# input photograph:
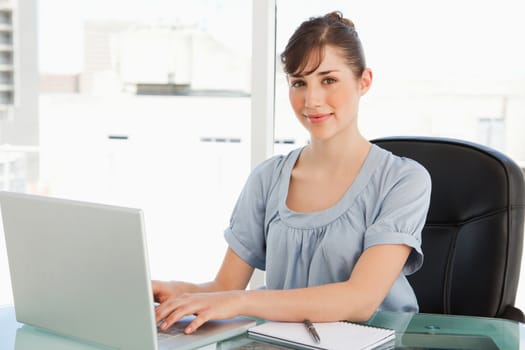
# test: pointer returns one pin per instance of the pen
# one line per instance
(311, 329)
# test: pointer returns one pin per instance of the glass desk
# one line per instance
(413, 331)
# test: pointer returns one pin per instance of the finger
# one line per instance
(197, 322)
(174, 309)
(172, 318)
(163, 310)
(158, 311)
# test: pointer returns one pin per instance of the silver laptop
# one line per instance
(81, 270)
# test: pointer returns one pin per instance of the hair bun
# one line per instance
(338, 16)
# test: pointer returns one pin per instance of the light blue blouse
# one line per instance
(386, 204)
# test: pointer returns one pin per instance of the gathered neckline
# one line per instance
(323, 217)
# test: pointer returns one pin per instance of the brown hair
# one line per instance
(309, 40)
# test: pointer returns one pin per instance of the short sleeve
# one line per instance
(245, 235)
(402, 212)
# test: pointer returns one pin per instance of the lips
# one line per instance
(318, 118)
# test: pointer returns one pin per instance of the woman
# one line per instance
(335, 224)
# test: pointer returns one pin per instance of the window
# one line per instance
(124, 119)
(146, 107)
(438, 68)
(491, 132)
(442, 68)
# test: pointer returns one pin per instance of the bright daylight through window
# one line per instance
(148, 103)
(147, 107)
(443, 68)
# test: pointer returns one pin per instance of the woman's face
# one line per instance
(327, 100)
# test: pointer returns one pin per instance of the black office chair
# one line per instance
(473, 236)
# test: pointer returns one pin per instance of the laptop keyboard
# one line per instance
(174, 331)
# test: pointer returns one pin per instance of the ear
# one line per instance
(365, 81)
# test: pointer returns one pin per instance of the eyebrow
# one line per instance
(328, 72)
(319, 73)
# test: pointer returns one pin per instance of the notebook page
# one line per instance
(334, 335)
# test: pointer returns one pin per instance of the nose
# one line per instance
(313, 96)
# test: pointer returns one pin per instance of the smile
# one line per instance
(318, 118)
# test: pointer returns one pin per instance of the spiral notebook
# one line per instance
(334, 335)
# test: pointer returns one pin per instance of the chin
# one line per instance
(321, 136)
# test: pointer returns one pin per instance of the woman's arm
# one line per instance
(234, 274)
(355, 299)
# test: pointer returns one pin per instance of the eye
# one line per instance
(297, 83)
(329, 80)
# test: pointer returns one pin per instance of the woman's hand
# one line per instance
(218, 299)
(205, 306)
(163, 290)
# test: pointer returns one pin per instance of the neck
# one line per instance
(339, 151)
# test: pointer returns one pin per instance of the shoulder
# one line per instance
(275, 163)
(269, 171)
(395, 169)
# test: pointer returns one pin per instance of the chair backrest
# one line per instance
(473, 236)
